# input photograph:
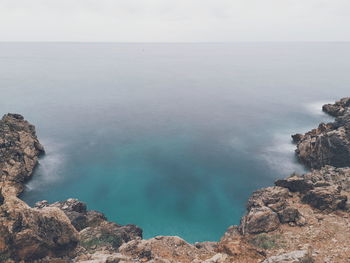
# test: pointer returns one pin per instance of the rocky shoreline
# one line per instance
(303, 218)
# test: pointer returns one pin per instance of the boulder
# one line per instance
(325, 198)
(268, 196)
(259, 220)
(289, 215)
(295, 183)
(34, 234)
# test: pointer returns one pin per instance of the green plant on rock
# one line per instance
(266, 241)
(4, 257)
(103, 240)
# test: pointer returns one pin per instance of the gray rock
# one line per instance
(295, 183)
(325, 198)
(298, 256)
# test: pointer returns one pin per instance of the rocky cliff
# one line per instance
(303, 218)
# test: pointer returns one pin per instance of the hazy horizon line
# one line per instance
(175, 42)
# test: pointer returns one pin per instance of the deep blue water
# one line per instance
(172, 137)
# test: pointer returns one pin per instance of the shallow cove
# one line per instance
(172, 137)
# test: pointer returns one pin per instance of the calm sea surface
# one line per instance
(171, 137)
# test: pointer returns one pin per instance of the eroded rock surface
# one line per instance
(298, 256)
(27, 233)
(329, 144)
(19, 153)
(267, 209)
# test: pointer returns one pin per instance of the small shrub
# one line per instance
(114, 241)
(4, 257)
(265, 241)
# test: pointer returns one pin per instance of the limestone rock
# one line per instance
(298, 256)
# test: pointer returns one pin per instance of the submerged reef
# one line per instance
(303, 218)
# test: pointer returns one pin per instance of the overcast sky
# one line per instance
(174, 20)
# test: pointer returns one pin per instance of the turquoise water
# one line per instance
(171, 137)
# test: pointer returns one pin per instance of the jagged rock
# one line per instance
(329, 144)
(322, 188)
(337, 109)
(164, 249)
(297, 137)
(19, 151)
(258, 220)
(295, 183)
(267, 208)
(325, 198)
(268, 196)
(289, 215)
(35, 233)
(330, 175)
(77, 212)
(237, 248)
(95, 230)
(298, 256)
(27, 233)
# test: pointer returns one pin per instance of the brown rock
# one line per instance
(259, 220)
(325, 198)
(329, 144)
(164, 249)
(295, 183)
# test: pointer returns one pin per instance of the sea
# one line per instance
(172, 137)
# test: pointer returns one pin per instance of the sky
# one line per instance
(174, 20)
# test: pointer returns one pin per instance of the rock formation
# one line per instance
(329, 144)
(28, 234)
(303, 218)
